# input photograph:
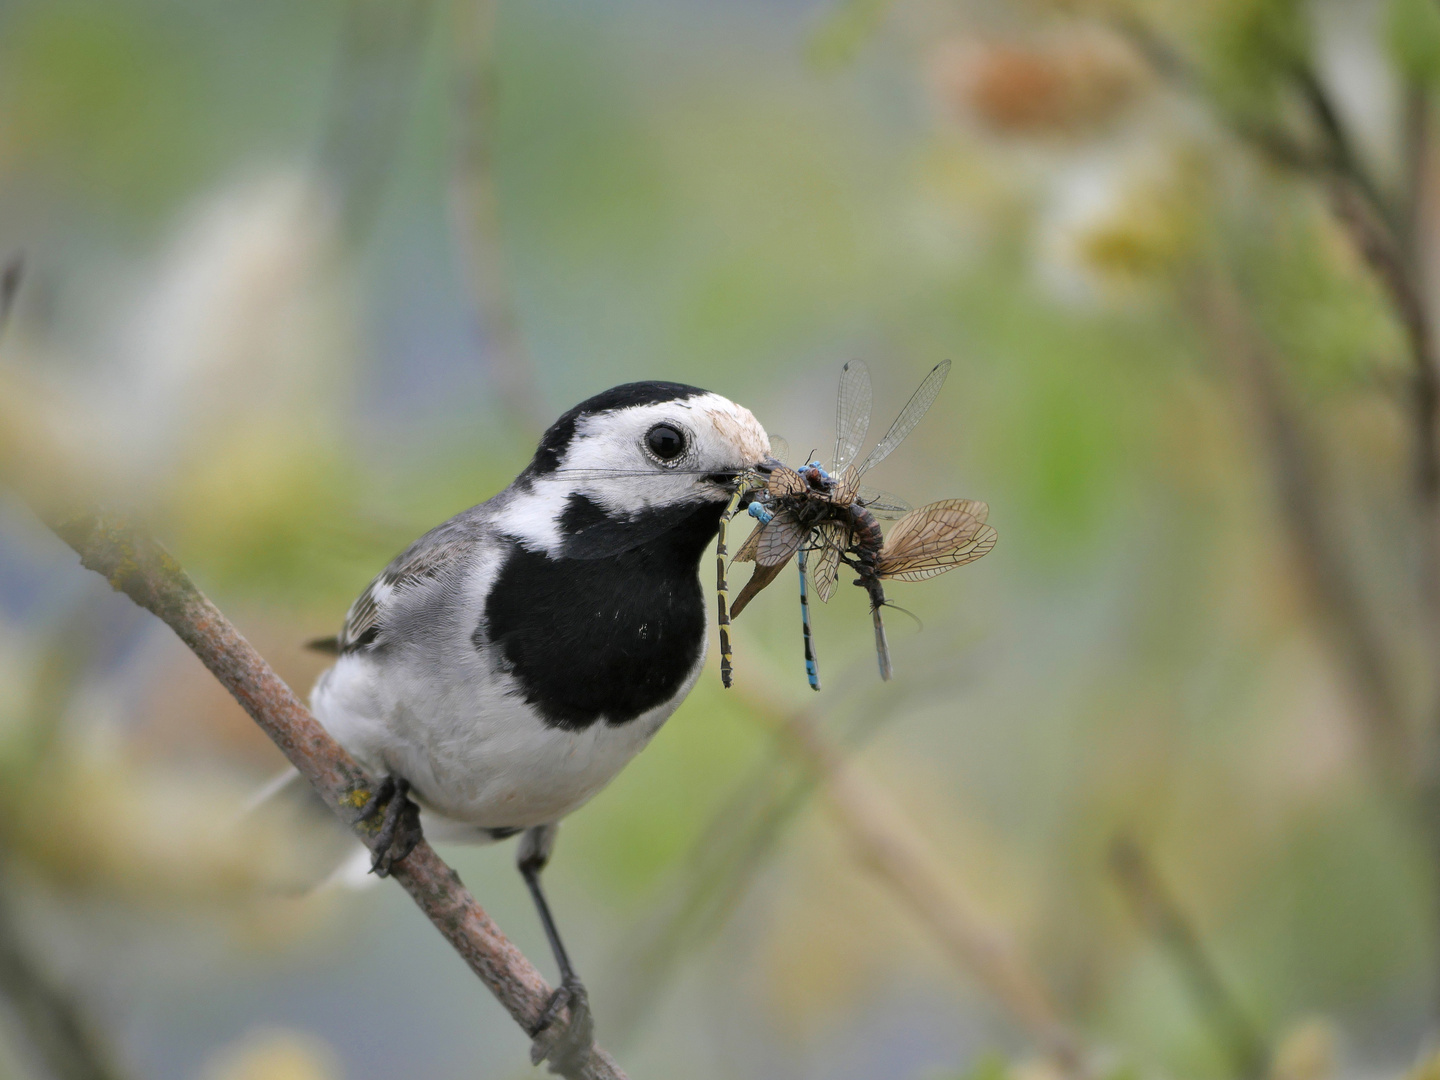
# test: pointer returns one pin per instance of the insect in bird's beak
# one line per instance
(812, 511)
(733, 481)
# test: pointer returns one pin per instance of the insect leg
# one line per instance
(812, 667)
(722, 583)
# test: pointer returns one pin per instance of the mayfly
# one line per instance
(828, 514)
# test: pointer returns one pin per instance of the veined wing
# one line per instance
(852, 414)
(847, 487)
(780, 538)
(910, 415)
(785, 481)
(833, 538)
(936, 538)
(881, 503)
(762, 576)
(747, 550)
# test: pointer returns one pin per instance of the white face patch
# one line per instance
(736, 426)
(607, 462)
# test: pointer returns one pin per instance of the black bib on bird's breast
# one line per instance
(612, 636)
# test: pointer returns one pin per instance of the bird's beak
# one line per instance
(731, 480)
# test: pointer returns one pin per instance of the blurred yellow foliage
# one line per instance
(275, 1055)
(1153, 226)
(1307, 1052)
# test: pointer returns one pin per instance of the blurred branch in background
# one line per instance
(1157, 911)
(51, 1018)
(1386, 230)
(744, 833)
(1319, 550)
(10, 275)
(475, 211)
(381, 45)
(740, 838)
(891, 847)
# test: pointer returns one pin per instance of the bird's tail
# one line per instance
(333, 856)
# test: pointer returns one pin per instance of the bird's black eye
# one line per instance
(665, 442)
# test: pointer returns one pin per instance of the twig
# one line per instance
(10, 274)
(1362, 210)
(1341, 155)
(1415, 154)
(1155, 909)
(1390, 239)
(722, 863)
(891, 846)
(475, 207)
(1328, 573)
(373, 86)
(54, 1024)
(139, 567)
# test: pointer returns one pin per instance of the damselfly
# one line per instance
(830, 515)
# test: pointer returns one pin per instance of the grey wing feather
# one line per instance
(423, 562)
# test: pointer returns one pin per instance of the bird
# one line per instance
(505, 666)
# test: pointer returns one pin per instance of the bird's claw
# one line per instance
(564, 1046)
(399, 829)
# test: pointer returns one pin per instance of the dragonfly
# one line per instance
(829, 514)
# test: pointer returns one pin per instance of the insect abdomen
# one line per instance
(866, 539)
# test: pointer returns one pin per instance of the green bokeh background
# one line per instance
(251, 298)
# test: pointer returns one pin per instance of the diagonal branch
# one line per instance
(1388, 238)
(1328, 573)
(58, 1030)
(1158, 911)
(475, 211)
(139, 567)
(890, 845)
(1380, 233)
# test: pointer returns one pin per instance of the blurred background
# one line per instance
(1156, 789)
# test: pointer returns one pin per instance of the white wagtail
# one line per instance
(507, 665)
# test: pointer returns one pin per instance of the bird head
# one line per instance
(655, 451)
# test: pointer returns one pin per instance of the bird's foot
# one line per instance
(564, 1045)
(399, 829)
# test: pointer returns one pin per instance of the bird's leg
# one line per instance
(399, 829)
(564, 1046)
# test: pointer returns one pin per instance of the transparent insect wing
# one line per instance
(936, 538)
(910, 415)
(882, 503)
(852, 414)
(833, 539)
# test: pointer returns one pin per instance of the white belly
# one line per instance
(473, 755)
